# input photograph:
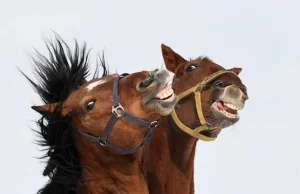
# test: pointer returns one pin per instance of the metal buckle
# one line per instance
(114, 110)
(153, 125)
(101, 142)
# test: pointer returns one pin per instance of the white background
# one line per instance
(258, 155)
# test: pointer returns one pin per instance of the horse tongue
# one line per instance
(221, 106)
(161, 92)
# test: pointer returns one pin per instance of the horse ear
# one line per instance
(236, 70)
(171, 58)
(49, 109)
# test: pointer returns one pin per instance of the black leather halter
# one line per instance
(117, 112)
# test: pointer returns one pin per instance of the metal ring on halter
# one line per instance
(101, 142)
(153, 124)
(119, 107)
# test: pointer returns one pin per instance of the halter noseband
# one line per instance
(117, 112)
(197, 91)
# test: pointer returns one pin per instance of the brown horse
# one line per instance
(209, 99)
(93, 130)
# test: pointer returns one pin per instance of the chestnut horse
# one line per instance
(93, 130)
(209, 98)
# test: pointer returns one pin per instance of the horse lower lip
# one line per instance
(159, 100)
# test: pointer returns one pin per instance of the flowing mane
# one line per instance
(58, 76)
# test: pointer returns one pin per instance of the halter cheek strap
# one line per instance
(196, 90)
(117, 112)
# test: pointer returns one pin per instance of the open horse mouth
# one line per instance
(160, 96)
(226, 109)
(164, 96)
(225, 113)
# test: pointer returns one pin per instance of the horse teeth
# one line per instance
(168, 92)
(229, 114)
(229, 105)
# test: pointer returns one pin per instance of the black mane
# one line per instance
(58, 77)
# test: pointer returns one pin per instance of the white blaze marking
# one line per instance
(94, 84)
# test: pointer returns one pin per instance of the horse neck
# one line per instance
(181, 147)
(105, 172)
(169, 158)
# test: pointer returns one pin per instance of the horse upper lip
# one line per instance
(153, 94)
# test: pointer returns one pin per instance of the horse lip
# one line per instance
(161, 78)
(219, 115)
(152, 94)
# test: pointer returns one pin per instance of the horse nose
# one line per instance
(161, 74)
(155, 71)
(243, 92)
(152, 73)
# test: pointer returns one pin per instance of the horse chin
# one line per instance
(212, 132)
(217, 125)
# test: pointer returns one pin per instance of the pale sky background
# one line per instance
(258, 155)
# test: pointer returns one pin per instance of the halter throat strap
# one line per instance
(117, 112)
(196, 90)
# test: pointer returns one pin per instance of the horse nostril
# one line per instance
(147, 82)
(245, 97)
(153, 73)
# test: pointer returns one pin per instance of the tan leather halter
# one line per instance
(197, 91)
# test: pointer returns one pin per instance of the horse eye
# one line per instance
(220, 83)
(90, 105)
(191, 68)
